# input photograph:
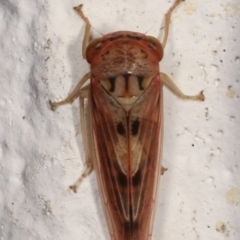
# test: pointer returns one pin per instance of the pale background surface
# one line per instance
(41, 152)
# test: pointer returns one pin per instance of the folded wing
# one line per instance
(127, 158)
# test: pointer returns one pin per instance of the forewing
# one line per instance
(110, 143)
(126, 159)
(146, 120)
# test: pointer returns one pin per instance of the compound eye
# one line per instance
(155, 45)
(152, 45)
(98, 45)
(94, 46)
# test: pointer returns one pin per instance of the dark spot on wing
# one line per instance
(120, 128)
(136, 179)
(134, 226)
(131, 227)
(135, 127)
(122, 179)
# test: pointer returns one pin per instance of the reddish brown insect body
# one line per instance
(126, 122)
(122, 130)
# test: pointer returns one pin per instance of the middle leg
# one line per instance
(174, 88)
(84, 93)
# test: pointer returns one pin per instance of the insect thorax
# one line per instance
(124, 63)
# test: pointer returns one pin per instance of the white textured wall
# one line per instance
(41, 152)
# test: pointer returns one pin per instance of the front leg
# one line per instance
(72, 96)
(87, 32)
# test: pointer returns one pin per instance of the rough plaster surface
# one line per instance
(41, 152)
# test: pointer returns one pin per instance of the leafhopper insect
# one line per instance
(122, 124)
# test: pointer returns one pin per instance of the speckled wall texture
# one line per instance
(41, 152)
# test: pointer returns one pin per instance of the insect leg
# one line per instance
(167, 21)
(74, 94)
(83, 120)
(163, 170)
(82, 93)
(87, 33)
(173, 87)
